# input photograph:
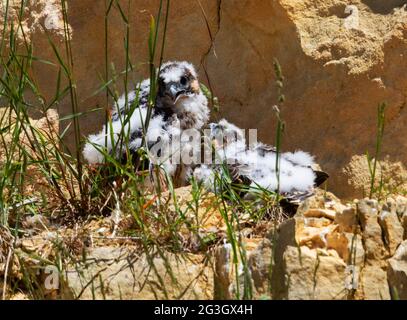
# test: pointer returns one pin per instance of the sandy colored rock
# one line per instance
(392, 228)
(347, 219)
(120, 273)
(255, 279)
(223, 272)
(348, 245)
(350, 70)
(260, 261)
(311, 232)
(325, 201)
(401, 208)
(368, 212)
(401, 205)
(397, 273)
(374, 283)
(393, 173)
(313, 274)
(310, 263)
(47, 127)
(357, 252)
(314, 237)
(37, 15)
(320, 213)
(298, 280)
(317, 222)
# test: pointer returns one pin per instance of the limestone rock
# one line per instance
(374, 283)
(368, 212)
(325, 201)
(393, 173)
(223, 272)
(401, 205)
(393, 230)
(397, 273)
(311, 274)
(35, 16)
(260, 262)
(349, 247)
(364, 60)
(256, 279)
(347, 219)
(320, 213)
(120, 273)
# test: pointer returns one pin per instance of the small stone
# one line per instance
(347, 219)
(317, 222)
(259, 259)
(374, 283)
(367, 211)
(393, 230)
(401, 206)
(319, 213)
(315, 237)
(349, 247)
(312, 274)
(102, 231)
(397, 273)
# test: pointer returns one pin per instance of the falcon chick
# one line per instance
(179, 105)
(256, 166)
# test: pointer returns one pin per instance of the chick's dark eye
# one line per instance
(183, 80)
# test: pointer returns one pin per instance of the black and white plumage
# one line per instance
(255, 166)
(179, 105)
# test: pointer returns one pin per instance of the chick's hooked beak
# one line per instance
(175, 92)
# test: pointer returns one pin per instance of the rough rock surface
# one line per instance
(119, 273)
(393, 230)
(371, 231)
(374, 283)
(339, 62)
(256, 278)
(336, 74)
(314, 255)
(313, 274)
(397, 273)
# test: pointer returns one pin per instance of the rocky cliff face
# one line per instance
(339, 58)
(327, 251)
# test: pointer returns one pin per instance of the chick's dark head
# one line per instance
(176, 81)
